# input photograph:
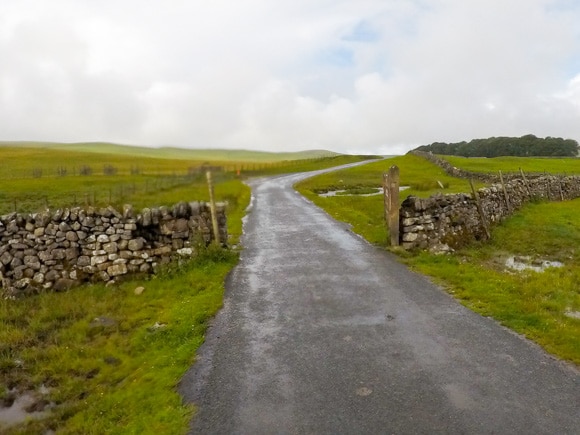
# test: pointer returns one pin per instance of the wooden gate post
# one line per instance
(393, 197)
(214, 220)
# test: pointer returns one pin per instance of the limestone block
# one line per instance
(38, 278)
(110, 248)
(64, 227)
(32, 261)
(51, 275)
(83, 260)
(6, 258)
(410, 237)
(99, 259)
(117, 269)
(136, 244)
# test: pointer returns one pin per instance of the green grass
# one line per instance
(30, 180)
(530, 303)
(556, 165)
(119, 378)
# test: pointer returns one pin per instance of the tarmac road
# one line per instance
(322, 333)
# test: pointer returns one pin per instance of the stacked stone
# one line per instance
(56, 250)
(444, 222)
(437, 222)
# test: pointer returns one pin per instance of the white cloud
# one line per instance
(365, 75)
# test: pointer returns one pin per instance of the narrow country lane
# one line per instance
(322, 333)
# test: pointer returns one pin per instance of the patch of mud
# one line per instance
(522, 263)
(379, 191)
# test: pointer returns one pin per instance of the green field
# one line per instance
(172, 153)
(555, 165)
(540, 306)
(57, 176)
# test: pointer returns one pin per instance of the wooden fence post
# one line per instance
(480, 210)
(526, 183)
(386, 196)
(507, 198)
(214, 220)
(391, 200)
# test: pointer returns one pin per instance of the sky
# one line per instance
(352, 76)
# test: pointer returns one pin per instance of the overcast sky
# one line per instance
(375, 76)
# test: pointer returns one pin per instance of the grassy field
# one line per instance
(172, 153)
(540, 306)
(555, 165)
(105, 359)
(32, 179)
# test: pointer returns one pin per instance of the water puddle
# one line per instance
(520, 264)
(25, 407)
(343, 192)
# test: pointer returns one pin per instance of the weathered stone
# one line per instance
(58, 254)
(110, 248)
(83, 260)
(100, 259)
(410, 237)
(146, 219)
(6, 258)
(103, 238)
(72, 236)
(51, 275)
(136, 244)
(32, 261)
(71, 253)
(64, 284)
(117, 269)
(64, 227)
(127, 211)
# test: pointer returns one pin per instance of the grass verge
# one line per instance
(107, 360)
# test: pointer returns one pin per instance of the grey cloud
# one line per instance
(346, 75)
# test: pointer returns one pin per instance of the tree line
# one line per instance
(525, 146)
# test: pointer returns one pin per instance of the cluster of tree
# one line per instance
(525, 146)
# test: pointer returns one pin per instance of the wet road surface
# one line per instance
(322, 333)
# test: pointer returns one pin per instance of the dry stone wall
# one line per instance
(56, 250)
(462, 173)
(444, 222)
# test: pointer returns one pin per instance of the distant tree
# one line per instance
(109, 170)
(528, 145)
(85, 170)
